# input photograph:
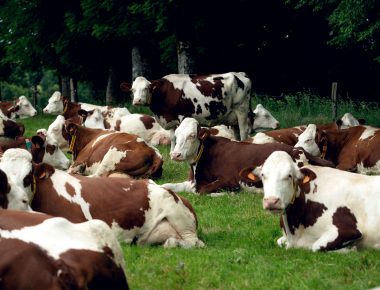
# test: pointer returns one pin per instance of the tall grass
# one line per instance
(240, 237)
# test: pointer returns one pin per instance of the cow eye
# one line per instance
(24, 201)
(290, 176)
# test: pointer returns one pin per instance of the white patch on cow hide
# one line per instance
(369, 132)
(101, 137)
(59, 180)
(108, 163)
(262, 138)
(369, 170)
(58, 235)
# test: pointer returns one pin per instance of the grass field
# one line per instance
(240, 237)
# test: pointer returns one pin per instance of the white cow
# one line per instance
(263, 119)
(322, 208)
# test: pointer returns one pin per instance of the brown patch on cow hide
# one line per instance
(148, 121)
(117, 125)
(15, 220)
(70, 189)
(208, 88)
(50, 149)
(95, 270)
(190, 207)
(13, 129)
(176, 199)
(301, 213)
(4, 190)
(214, 131)
(348, 232)
(199, 110)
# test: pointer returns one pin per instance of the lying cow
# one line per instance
(353, 149)
(322, 208)
(38, 251)
(142, 125)
(139, 211)
(263, 119)
(21, 107)
(61, 105)
(215, 162)
(290, 135)
(211, 99)
(100, 152)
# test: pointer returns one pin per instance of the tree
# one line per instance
(352, 22)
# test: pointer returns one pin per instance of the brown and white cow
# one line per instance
(215, 162)
(353, 149)
(290, 135)
(142, 125)
(38, 251)
(321, 208)
(20, 107)
(137, 210)
(211, 99)
(101, 152)
(62, 105)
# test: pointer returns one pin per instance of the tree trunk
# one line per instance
(35, 95)
(139, 63)
(185, 60)
(65, 83)
(74, 90)
(110, 92)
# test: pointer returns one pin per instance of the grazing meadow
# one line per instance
(240, 237)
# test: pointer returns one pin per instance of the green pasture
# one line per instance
(240, 237)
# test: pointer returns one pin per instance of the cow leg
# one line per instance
(160, 234)
(243, 124)
(186, 186)
(334, 240)
(172, 139)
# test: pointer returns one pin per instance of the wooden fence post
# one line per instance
(334, 88)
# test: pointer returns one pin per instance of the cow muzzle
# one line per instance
(176, 156)
(272, 204)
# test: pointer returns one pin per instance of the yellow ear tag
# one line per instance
(251, 176)
(43, 175)
(306, 179)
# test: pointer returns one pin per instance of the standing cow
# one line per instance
(211, 99)
(321, 208)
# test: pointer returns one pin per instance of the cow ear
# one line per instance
(71, 128)
(249, 174)
(203, 133)
(42, 170)
(125, 87)
(361, 121)
(4, 185)
(38, 141)
(154, 85)
(307, 175)
(82, 113)
(339, 123)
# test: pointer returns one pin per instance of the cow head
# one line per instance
(12, 196)
(161, 138)
(281, 179)
(56, 133)
(142, 91)
(187, 139)
(50, 153)
(25, 108)
(17, 163)
(306, 140)
(92, 119)
(348, 120)
(55, 104)
(264, 119)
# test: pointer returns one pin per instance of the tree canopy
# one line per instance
(280, 47)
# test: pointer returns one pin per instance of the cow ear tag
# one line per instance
(251, 176)
(306, 179)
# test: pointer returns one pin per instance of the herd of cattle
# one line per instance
(313, 175)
